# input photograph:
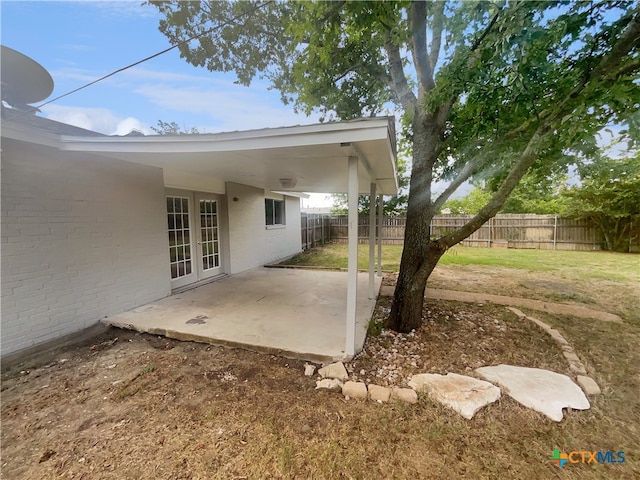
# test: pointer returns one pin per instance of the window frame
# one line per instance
(277, 211)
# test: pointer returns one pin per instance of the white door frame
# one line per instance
(187, 255)
(208, 235)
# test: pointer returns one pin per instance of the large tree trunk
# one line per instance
(406, 311)
(419, 255)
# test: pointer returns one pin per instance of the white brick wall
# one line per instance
(251, 244)
(82, 238)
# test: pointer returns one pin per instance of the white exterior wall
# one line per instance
(251, 243)
(82, 238)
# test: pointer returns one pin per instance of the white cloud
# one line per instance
(122, 8)
(128, 124)
(100, 120)
(231, 107)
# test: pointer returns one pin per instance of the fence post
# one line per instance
(490, 230)
(380, 231)
(555, 230)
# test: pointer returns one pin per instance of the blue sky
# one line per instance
(78, 42)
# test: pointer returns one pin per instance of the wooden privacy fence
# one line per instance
(502, 231)
(316, 229)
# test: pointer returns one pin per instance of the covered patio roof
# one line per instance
(307, 158)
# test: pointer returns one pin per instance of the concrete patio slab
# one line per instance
(294, 313)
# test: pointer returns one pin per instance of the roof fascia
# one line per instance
(329, 133)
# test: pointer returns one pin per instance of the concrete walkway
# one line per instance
(293, 313)
(555, 308)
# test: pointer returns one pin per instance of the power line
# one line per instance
(146, 59)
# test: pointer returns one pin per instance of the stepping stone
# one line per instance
(334, 370)
(466, 395)
(543, 391)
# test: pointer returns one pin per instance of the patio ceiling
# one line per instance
(313, 157)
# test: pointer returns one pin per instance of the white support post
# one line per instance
(380, 221)
(372, 241)
(352, 282)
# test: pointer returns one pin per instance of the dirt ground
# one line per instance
(137, 406)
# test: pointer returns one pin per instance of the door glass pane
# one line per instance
(179, 236)
(209, 234)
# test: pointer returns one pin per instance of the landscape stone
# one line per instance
(571, 356)
(404, 395)
(376, 392)
(309, 370)
(577, 368)
(518, 313)
(557, 336)
(544, 391)
(354, 390)
(334, 370)
(540, 323)
(331, 384)
(589, 385)
(466, 395)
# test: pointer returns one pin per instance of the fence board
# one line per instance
(316, 229)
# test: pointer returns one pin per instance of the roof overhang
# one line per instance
(308, 158)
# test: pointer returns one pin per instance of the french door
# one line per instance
(193, 221)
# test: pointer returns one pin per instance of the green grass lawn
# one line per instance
(606, 265)
(605, 280)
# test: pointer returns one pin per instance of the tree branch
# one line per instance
(436, 34)
(527, 158)
(417, 20)
(466, 172)
(443, 110)
(398, 77)
(610, 62)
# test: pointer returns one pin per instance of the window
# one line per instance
(274, 211)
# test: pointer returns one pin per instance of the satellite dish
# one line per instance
(24, 80)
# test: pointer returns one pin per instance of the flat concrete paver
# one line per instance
(296, 313)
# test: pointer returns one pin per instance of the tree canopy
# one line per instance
(490, 89)
(609, 196)
(172, 128)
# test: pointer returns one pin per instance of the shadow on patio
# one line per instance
(294, 313)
